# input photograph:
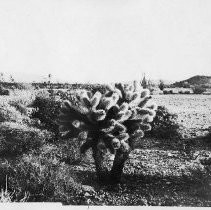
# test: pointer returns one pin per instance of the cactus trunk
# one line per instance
(106, 174)
(102, 167)
(117, 168)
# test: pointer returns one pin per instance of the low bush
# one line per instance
(24, 98)
(3, 91)
(70, 95)
(208, 136)
(47, 110)
(18, 138)
(16, 85)
(168, 92)
(165, 125)
(68, 150)
(23, 86)
(184, 92)
(16, 108)
(198, 90)
(9, 113)
(42, 93)
(42, 176)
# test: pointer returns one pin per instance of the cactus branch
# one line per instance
(109, 122)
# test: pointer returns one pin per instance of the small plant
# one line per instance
(47, 111)
(165, 124)
(23, 86)
(22, 97)
(208, 136)
(4, 91)
(10, 113)
(109, 122)
(161, 85)
(17, 138)
(41, 175)
(198, 90)
(8, 197)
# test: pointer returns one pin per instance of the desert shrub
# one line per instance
(18, 138)
(198, 170)
(8, 197)
(165, 124)
(184, 92)
(24, 98)
(16, 85)
(167, 92)
(23, 86)
(19, 107)
(4, 91)
(161, 85)
(198, 90)
(24, 110)
(97, 87)
(43, 93)
(42, 176)
(89, 87)
(47, 110)
(208, 136)
(70, 95)
(13, 111)
(9, 113)
(69, 151)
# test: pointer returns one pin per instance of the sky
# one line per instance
(105, 40)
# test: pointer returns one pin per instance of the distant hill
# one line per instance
(203, 81)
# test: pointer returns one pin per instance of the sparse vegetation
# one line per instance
(161, 85)
(47, 111)
(165, 124)
(3, 91)
(37, 164)
(17, 139)
(198, 90)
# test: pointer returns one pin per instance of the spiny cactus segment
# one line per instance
(111, 121)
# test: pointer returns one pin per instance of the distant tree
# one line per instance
(161, 85)
(186, 85)
(2, 77)
(12, 79)
(198, 90)
(49, 78)
(45, 84)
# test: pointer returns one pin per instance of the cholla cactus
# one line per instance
(112, 122)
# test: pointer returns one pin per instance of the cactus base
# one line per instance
(108, 174)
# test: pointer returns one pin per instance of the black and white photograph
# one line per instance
(105, 103)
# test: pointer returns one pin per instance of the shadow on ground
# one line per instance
(146, 184)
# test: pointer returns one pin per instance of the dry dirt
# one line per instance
(163, 177)
(194, 112)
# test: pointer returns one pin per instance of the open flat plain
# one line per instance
(194, 112)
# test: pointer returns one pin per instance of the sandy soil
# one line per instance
(194, 111)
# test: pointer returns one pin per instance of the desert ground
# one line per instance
(156, 174)
(194, 111)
